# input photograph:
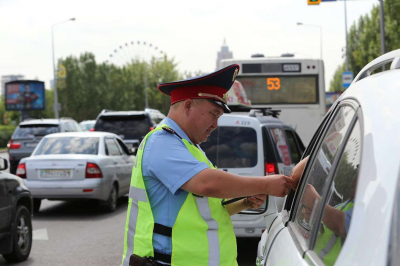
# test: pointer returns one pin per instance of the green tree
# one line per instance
(364, 39)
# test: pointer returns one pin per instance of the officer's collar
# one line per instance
(172, 124)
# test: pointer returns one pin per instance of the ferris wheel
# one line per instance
(131, 51)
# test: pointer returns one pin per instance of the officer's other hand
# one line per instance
(256, 201)
(279, 185)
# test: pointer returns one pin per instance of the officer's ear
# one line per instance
(188, 106)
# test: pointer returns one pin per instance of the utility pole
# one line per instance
(382, 13)
(345, 25)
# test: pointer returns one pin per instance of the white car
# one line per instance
(78, 165)
(345, 210)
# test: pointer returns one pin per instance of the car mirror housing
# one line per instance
(3, 164)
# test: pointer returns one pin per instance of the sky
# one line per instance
(192, 32)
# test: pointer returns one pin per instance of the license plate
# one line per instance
(59, 173)
(31, 145)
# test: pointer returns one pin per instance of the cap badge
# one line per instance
(235, 74)
(212, 96)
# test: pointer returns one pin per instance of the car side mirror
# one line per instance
(3, 164)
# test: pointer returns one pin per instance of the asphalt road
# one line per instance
(81, 233)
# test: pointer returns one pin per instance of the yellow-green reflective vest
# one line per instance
(328, 244)
(202, 234)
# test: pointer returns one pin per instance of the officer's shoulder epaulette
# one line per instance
(169, 130)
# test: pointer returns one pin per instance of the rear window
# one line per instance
(128, 127)
(29, 131)
(281, 145)
(232, 147)
(68, 145)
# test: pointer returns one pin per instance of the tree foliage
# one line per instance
(91, 87)
(364, 40)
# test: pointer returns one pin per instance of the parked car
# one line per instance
(87, 125)
(78, 165)
(16, 205)
(131, 126)
(345, 210)
(253, 143)
(28, 134)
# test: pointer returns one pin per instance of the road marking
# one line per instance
(40, 234)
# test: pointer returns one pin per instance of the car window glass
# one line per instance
(394, 239)
(29, 131)
(320, 168)
(122, 148)
(232, 147)
(112, 147)
(281, 145)
(340, 197)
(294, 150)
(68, 145)
(127, 127)
(76, 126)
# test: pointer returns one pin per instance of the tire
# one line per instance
(36, 205)
(111, 203)
(22, 236)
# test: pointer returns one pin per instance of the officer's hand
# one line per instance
(256, 201)
(278, 185)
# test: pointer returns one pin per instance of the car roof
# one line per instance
(122, 113)
(262, 119)
(41, 121)
(82, 134)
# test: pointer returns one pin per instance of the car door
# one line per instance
(127, 166)
(114, 153)
(5, 207)
(298, 235)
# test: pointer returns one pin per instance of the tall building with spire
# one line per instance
(223, 54)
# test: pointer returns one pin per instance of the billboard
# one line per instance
(24, 95)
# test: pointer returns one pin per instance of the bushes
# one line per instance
(5, 134)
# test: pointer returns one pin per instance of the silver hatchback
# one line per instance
(78, 165)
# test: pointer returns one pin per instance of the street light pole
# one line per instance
(320, 34)
(55, 105)
(382, 18)
(345, 25)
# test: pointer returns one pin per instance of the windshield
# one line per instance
(128, 127)
(28, 131)
(68, 145)
(281, 89)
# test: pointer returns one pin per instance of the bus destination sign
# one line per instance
(291, 67)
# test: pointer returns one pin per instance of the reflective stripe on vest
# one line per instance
(202, 234)
(329, 245)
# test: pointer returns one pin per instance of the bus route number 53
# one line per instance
(273, 83)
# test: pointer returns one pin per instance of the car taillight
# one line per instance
(151, 128)
(12, 145)
(93, 171)
(270, 168)
(92, 129)
(21, 170)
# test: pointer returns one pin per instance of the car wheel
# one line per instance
(22, 236)
(111, 203)
(36, 205)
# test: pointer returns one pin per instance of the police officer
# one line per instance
(175, 213)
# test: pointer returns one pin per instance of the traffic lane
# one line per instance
(77, 233)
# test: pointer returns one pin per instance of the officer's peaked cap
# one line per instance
(213, 87)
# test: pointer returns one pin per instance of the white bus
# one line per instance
(296, 86)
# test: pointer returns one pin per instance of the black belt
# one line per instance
(162, 257)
